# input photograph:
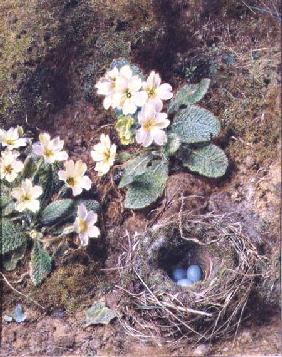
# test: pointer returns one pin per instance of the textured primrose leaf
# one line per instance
(56, 212)
(30, 167)
(41, 264)
(46, 181)
(172, 145)
(10, 260)
(99, 313)
(13, 236)
(134, 167)
(5, 195)
(148, 187)
(208, 160)
(188, 95)
(195, 125)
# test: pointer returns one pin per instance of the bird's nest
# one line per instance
(210, 308)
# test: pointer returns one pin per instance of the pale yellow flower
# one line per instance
(106, 86)
(104, 154)
(10, 167)
(27, 196)
(12, 138)
(50, 149)
(84, 225)
(152, 122)
(74, 176)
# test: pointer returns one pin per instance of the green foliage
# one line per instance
(208, 160)
(189, 94)
(173, 144)
(195, 125)
(56, 212)
(13, 236)
(134, 168)
(98, 314)
(30, 167)
(10, 260)
(41, 264)
(46, 181)
(147, 187)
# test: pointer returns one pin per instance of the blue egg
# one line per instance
(184, 282)
(194, 273)
(179, 273)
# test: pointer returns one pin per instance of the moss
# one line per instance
(68, 287)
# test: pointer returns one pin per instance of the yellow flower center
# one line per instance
(70, 181)
(107, 155)
(8, 169)
(48, 153)
(10, 142)
(82, 225)
(26, 197)
(151, 92)
(128, 94)
(149, 124)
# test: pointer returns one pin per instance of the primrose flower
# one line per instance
(9, 165)
(74, 176)
(27, 196)
(12, 138)
(127, 96)
(104, 154)
(152, 123)
(84, 225)
(155, 91)
(106, 86)
(51, 150)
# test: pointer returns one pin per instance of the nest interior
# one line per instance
(210, 308)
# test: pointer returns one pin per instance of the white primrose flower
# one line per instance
(152, 122)
(27, 196)
(104, 154)
(156, 91)
(127, 96)
(12, 138)
(9, 165)
(51, 150)
(74, 176)
(106, 86)
(84, 225)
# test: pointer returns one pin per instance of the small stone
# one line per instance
(184, 282)
(201, 350)
(179, 273)
(194, 273)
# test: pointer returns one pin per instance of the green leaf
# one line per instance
(5, 196)
(195, 125)
(188, 95)
(148, 187)
(41, 264)
(10, 260)
(98, 314)
(30, 167)
(56, 212)
(13, 236)
(209, 161)
(173, 144)
(46, 181)
(134, 167)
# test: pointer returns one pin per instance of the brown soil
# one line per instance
(245, 95)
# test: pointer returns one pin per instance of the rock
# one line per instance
(201, 350)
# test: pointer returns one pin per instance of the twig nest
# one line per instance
(193, 275)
